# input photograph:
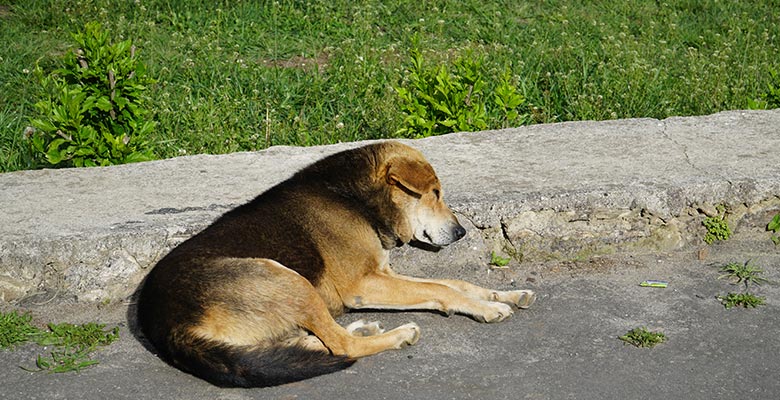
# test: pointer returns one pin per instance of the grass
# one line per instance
(746, 274)
(15, 329)
(72, 345)
(746, 300)
(244, 75)
(641, 337)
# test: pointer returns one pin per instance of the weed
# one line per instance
(772, 94)
(508, 102)
(498, 261)
(72, 344)
(436, 101)
(742, 273)
(746, 300)
(745, 274)
(717, 228)
(16, 328)
(774, 226)
(94, 110)
(641, 337)
(770, 98)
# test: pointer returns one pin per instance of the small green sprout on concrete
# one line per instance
(774, 226)
(745, 274)
(641, 337)
(498, 261)
(72, 345)
(717, 227)
(746, 300)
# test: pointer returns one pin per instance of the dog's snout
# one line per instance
(459, 232)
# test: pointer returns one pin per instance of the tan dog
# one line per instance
(250, 300)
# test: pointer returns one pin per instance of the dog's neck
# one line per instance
(388, 238)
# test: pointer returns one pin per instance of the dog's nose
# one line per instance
(459, 231)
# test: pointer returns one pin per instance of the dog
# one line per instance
(250, 301)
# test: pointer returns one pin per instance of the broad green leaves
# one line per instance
(94, 111)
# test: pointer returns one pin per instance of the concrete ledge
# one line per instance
(544, 192)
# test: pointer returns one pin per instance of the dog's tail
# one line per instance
(244, 366)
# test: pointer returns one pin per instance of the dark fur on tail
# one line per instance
(234, 366)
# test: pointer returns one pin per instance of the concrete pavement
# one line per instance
(586, 209)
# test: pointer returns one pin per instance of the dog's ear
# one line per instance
(413, 175)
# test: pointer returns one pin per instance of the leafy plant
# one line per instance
(641, 337)
(73, 344)
(772, 94)
(94, 111)
(437, 101)
(743, 273)
(509, 101)
(498, 261)
(774, 226)
(770, 98)
(717, 227)
(746, 300)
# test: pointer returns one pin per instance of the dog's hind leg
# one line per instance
(297, 303)
(358, 339)
(357, 328)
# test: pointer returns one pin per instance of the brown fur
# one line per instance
(250, 300)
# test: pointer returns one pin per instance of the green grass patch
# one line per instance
(641, 337)
(72, 345)
(15, 329)
(245, 75)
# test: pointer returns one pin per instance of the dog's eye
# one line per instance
(437, 193)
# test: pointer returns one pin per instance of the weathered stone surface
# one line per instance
(557, 191)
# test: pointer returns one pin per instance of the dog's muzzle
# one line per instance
(443, 236)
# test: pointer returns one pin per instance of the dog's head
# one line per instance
(416, 192)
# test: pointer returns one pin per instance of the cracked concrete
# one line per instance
(545, 192)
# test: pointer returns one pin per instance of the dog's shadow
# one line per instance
(424, 246)
(132, 319)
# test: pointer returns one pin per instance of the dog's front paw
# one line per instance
(519, 298)
(494, 312)
(408, 334)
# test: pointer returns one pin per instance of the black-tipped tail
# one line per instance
(234, 366)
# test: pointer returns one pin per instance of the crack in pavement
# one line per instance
(687, 156)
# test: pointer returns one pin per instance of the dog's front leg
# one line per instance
(385, 291)
(518, 298)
